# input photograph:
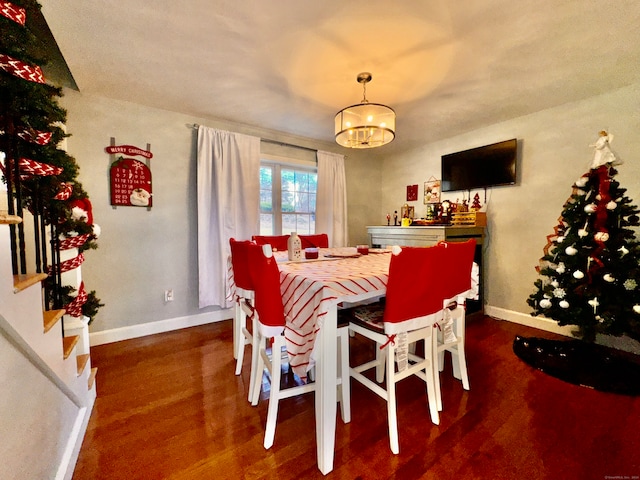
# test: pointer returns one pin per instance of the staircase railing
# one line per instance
(44, 242)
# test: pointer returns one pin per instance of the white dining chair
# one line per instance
(413, 304)
(245, 314)
(271, 326)
(457, 278)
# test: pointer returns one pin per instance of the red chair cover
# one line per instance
(265, 277)
(319, 240)
(414, 289)
(240, 263)
(277, 242)
(458, 257)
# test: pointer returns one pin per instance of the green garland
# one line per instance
(34, 106)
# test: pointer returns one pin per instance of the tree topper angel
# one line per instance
(603, 153)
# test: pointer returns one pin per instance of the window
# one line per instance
(287, 198)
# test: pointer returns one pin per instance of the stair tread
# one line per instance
(22, 282)
(68, 343)
(82, 361)
(51, 317)
(6, 219)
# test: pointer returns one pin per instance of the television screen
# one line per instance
(481, 167)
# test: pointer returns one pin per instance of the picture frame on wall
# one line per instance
(412, 193)
(432, 189)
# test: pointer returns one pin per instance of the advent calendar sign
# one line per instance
(130, 179)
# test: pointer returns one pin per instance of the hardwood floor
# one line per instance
(170, 407)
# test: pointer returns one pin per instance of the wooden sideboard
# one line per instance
(383, 236)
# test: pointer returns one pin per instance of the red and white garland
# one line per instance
(34, 136)
(68, 265)
(74, 308)
(74, 242)
(17, 68)
(12, 12)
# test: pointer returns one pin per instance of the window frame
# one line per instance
(277, 163)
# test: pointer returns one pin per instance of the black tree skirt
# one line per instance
(582, 363)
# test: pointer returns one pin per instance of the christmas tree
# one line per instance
(589, 274)
(40, 176)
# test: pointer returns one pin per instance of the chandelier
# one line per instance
(365, 125)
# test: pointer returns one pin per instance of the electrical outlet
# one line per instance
(168, 295)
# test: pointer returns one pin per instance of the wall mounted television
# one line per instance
(481, 167)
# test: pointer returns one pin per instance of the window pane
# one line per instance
(288, 180)
(266, 224)
(288, 223)
(266, 174)
(302, 202)
(302, 181)
(265, 201)
(288, 201)
(266, 189)
(303, 224)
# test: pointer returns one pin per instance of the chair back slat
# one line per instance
(265, 277)
(240, 263)
(459, 263)
(414, 289)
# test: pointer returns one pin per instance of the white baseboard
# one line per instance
(72, 450)
(151, 328)
(540, 322)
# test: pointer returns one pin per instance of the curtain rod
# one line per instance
(275, 142)
(285, 144)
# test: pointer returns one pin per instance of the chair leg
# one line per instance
(391, 401)
(460, 365)
(236, 329)
(254, 392)
(255, 355)
(458, 358)
(240, 356)
(381, 358)
(344, 388)
(432, 380)
(435, 364)
(274, 395)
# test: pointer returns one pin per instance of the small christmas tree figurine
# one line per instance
(476, 205)
(590, 273)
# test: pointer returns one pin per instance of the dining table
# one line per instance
(313, 290)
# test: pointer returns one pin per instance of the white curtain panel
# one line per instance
(228, 205)
(331, 202)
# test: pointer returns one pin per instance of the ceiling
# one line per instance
(446, 67)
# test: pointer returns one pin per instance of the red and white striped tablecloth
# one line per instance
(310, 288)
